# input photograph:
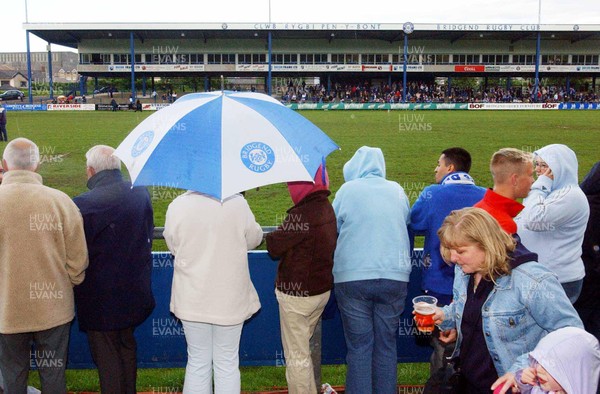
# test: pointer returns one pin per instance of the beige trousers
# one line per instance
(298, 317)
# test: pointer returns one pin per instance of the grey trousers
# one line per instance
(50, 355)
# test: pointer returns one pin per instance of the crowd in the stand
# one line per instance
(429, 92)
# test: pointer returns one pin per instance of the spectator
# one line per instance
(305, 243)
(588, 303)
(504, 301)
(138, 106)
(116, 296)
(371, 270)
(565, 361)
(212, 293)
(555, 216)
(512, 171)
(3, 134)
(30, 389)
(114, 105)
(454, 189)
(40, 260)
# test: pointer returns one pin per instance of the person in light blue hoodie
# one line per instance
(555, 216)
(371, 270)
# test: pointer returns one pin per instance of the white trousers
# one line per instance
(212, 347)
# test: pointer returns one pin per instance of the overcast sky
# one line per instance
(322, 11)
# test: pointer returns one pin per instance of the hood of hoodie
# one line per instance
(299, 190)
(572, 357)
(563, 163)
(591, 183)
(366, 162)
(521, 254)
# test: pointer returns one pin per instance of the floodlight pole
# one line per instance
(404, 67)
(50, 77)
(270, 54)
(132, 61)
(29, 90)
(270, 65)
(408, 28)
(537, 53)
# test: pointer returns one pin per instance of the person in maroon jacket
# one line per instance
(304, 243)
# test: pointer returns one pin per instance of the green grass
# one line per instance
(410, 155)
(64, 137)
(253, 378)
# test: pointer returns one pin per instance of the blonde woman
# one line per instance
(504, 301)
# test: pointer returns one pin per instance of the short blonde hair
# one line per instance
(470, 226)
(509, 161)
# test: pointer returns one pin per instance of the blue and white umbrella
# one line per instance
(222, 143)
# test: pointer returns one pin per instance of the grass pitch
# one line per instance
(411, 142)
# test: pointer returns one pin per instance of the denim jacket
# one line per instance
(521, 309)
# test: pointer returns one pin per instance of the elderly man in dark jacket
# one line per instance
(305, 243)
(116, 296)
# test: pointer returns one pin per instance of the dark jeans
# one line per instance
(370, 311)
(114, 353)
(3, 135)
(51, 347)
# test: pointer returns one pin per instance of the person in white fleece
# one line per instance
(212, 293)
(555, 216)
(566, 361)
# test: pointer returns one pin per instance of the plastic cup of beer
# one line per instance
(424, 307)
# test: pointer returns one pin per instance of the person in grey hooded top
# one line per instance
(555, 216)
(565, 361)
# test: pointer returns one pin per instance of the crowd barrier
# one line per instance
(161, 341)
(330, 106)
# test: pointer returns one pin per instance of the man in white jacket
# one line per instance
(212, 293)
(555, 216)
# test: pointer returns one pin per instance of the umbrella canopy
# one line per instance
(222, 143)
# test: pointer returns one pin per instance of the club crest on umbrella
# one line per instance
(258, 156)
(142, 143)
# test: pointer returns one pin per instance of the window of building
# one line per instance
(337, 58)
(259, 58)
(555, 59)
(351, 58)
(307, 58)
(523, 59)
(459, 59)
(442, 59)
(585, 59)
(244, 58)
(214, 58)
(85, 58)
(228, 58)
(320, 58)
(196, 58)
(120, 58)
